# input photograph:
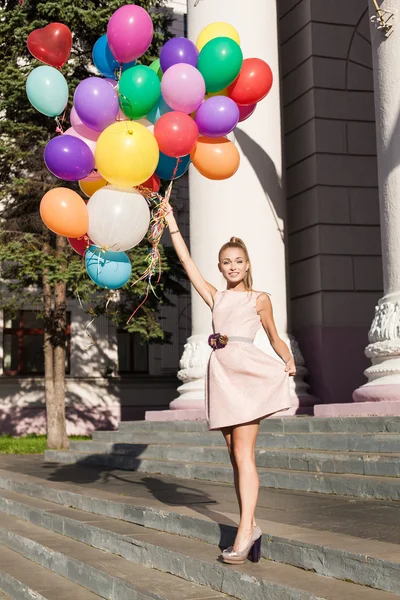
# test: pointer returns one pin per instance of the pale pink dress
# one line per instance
(243, 383)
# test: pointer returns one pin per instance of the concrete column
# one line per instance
(250, 205)
(381, 395)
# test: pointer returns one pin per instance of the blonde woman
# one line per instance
(243, 384)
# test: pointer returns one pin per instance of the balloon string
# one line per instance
(157, 226)
(90, 311)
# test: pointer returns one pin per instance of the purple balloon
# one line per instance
(178, 50)
(246, 111)
(217, 116)
(96, 103)
(68, 157)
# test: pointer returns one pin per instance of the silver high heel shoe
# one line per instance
(251, 551)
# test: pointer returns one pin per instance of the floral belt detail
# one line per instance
(217, 341)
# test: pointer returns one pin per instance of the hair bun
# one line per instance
(236, 240)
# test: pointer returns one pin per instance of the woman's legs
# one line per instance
(227, 433)
(243, 441)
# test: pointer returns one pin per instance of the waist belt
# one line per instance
(218, 341)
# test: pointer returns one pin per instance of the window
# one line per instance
(133, 354)
(23, 339)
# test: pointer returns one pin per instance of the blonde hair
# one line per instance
(236, 242)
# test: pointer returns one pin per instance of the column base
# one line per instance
(359, 409)
(176, 415)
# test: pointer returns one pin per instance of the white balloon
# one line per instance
(118, 218)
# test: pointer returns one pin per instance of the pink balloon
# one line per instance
(246, 111)
(90, 143)
(81, 129)
(183, 88)
(129, 33)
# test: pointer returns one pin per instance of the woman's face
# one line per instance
(233, 265)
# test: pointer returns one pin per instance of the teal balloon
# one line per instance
(220, 62)
(139, 91)
(160, 109)
(167, 165)
(47, 90)
(110, 270)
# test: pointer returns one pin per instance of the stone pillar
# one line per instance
(250, 205)
(381, 395)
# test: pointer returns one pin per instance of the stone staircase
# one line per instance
(350, 457)
(86, 533)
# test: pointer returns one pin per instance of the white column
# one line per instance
(250, 205)
(384, 336)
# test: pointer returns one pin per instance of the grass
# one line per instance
(28, 444)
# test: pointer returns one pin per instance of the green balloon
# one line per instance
(155, 66)
(220, 62)
(139, 91)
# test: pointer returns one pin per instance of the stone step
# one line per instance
(297, 546)
(21, 579)
(108, 575)
(381, 465)
(364, 486)
(366, 442)
(275, 425)
(126, 552)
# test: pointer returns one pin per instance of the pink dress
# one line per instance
(243, 383)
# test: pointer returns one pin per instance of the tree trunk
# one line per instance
(57, 435)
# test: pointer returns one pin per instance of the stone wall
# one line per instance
(333, 210)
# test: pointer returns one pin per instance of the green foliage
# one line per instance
(28, 444)
(23, 134)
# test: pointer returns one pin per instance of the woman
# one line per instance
(243, 383)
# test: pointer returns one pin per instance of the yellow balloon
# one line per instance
(215, 30)
(90, 186)
(126, 154)
(223, 92)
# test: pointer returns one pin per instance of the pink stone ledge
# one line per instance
(199, 415)
(359, 409)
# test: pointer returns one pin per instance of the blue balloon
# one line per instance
(166, 166)
(104, 60)
(110, 270)
(158, 111)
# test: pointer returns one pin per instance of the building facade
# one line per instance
(306, 202)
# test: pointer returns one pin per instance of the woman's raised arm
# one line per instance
(205, 289)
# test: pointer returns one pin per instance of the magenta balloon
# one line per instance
(68, 157)
(96, 103)
(178, 50)
(246, 111)
(129, 33)
(183, 88)
(217, 116)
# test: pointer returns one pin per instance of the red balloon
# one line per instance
(246, 111)
(51, 45)
(153, 183)
(253, 82)
(176, 134)
(80, 244)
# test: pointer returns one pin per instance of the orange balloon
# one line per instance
(64, 212)
(90, 186)
(216, 158)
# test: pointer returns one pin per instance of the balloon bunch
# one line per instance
(134, 125)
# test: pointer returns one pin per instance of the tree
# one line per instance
(32, 258)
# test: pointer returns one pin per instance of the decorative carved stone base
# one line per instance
(384, 351)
